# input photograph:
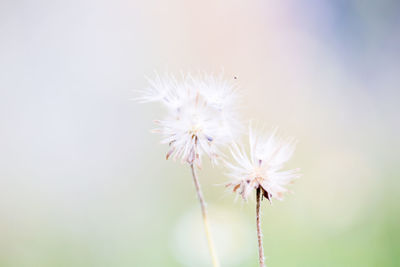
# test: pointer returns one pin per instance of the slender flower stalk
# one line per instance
(260, 170)
(203, 207)
(259, 231)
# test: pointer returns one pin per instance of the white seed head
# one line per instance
(261, 167)
(200, 118)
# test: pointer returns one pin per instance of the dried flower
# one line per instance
(200, 115)
(261, 169)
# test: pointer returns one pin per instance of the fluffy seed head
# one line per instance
(200, 115)
(261, 168)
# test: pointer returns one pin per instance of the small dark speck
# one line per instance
(234, 77)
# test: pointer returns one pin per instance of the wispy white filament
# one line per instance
(200, 116)
(261, 167)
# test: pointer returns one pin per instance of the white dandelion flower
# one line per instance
(200, 118)
(261, 168)
(260, 171)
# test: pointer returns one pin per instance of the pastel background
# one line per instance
(84, 183)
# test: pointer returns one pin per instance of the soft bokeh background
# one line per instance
(84, 183)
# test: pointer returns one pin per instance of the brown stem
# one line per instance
(259, 233)
(203, 205)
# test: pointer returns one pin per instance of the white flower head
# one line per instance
(261, 168)
(200, 118)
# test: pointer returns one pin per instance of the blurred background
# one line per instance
(84, 183)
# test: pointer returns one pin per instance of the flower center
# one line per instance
(196, 129)
(196, 126)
